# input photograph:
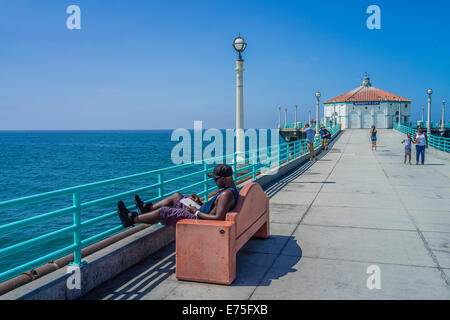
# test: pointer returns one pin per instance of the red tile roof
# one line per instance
(367, 93)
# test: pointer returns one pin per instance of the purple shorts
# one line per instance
(171, 215)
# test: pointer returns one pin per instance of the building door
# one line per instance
(379, 120)
(354, 121)
(366, 120)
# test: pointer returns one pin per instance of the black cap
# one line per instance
(221, 170)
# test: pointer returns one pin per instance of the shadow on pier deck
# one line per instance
(330, 221)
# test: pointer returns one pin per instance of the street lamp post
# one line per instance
(240, 45)
(334, 114)
(279, 117)
(295, 125)
(429, 92)
(317, 111)
(399, 112)
(309, 118)
(443, 114)
(423, 110)
(285, 117)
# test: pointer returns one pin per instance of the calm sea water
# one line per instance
(39, 161)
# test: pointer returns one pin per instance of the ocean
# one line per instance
(34, 162)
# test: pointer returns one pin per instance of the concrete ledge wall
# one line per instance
(101, 266)
(109, 262)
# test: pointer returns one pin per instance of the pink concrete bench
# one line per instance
(206, 250)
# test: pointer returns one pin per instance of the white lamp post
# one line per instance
(295, 125)
(443, 114)
(429, 92)
(240, 45)
(285, 117)
(423, 109)
(317, 112)
(309, 118)
(279, 117)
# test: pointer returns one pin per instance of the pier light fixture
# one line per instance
(239, 45)
(443, 115)
(429, 92)
(318, 94)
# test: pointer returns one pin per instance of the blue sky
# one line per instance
(163, 64)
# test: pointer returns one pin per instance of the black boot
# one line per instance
(141, 206)
(126, 217)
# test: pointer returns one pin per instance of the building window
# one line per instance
(406, 106)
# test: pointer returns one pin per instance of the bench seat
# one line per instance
(206, 249)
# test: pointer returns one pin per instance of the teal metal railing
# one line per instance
(255, 162)
(300, 125)
(439, 143)
(434, 124)
(292, 125)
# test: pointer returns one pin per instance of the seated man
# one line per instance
(170, 210)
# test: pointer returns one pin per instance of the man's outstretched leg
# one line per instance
(129, 218)
(167, 202)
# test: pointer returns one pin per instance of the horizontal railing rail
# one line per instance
(434, 124)
(252, 164)
(300, 125)
(439, 143)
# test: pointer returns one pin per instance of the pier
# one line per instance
(330, 221)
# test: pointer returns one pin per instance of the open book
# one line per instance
(189, 202)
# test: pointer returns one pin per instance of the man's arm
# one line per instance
(224, 204)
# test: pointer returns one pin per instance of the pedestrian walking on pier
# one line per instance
(310, 133)
(373, 137)
(408, 141)
(421, 141)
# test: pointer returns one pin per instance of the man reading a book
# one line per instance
(177, 206)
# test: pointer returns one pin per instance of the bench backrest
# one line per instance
(252, 204)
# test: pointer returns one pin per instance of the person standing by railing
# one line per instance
(325, 135)
(421, 141)
(310, 133)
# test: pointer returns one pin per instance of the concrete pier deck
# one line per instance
(330, 221)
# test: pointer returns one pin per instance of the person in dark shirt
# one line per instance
(325, 135)
(171, 210)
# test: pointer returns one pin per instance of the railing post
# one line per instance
(205, 179)
(254, 165)
(77, 233)
(279, 155)
(295, 149)
(234, 167)
(161, 185)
